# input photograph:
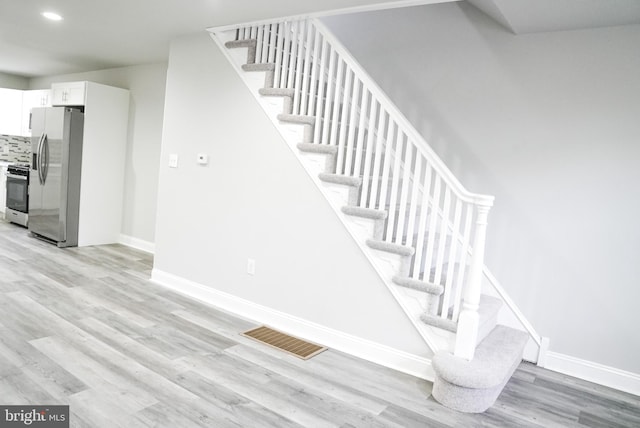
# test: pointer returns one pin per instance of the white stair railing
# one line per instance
(428, 208)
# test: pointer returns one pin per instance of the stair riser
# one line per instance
(318, 163)
(464, 399)
(433, 304)
(292, 133)
(425, 300)
(273, 105)
(303, 131)
(238, 55)
(391, 264)
(251, 55)
(287, 105)
(268, 79)
(485, 328)
(364, 228)
(284, 102)
(307, 135)
(468, 400)
(256, 79)
(340, 195)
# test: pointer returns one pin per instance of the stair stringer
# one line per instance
(385, 264)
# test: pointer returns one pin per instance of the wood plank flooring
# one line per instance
(85, 327)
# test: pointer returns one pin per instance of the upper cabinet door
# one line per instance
(32, 99)
(10, 111)
(68, 93)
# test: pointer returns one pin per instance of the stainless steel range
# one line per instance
(18, 194)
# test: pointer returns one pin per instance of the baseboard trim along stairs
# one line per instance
(296, 326)
(423, 233)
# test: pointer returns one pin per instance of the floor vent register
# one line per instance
(292, 345)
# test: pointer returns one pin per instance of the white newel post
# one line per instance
(468, 321)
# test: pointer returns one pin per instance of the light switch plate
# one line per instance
(173, 161)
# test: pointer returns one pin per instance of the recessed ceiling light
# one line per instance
(52, 16)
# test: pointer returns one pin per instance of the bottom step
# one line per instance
(473, 386)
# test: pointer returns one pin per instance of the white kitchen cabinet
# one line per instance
(68, 94)
(32, 99)
(10, 111)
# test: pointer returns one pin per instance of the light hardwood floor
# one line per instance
(85, 327)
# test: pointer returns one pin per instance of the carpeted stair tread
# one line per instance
(296, 118)
(416, 284)
(317, 148)
(493, 359)
(259, 67)
(389, 247)
(276, 92)
(241, 43)
(439, 322)
(364, 212)
(340, 179)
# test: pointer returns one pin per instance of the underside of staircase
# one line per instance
(425, 292)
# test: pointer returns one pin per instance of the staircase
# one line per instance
(422, 231)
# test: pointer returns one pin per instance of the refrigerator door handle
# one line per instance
(38, 160)
(45, 160)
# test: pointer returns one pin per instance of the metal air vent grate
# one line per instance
(284, 342)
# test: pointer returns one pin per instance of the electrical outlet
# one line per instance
(251, 266)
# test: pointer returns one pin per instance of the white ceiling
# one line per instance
(99, 34)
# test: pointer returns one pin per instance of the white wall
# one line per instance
(254, 200)
(146, 84)
(549, 124)
(13, 82)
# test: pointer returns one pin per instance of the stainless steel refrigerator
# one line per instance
(54, 181)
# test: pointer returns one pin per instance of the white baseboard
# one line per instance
(362, 348)
(594, 372)
(137, 243)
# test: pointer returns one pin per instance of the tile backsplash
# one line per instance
(15, 149)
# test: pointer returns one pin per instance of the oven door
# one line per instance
(17, 193)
